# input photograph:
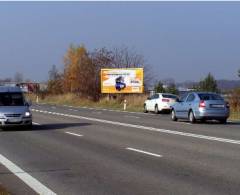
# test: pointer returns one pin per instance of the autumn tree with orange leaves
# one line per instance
(79, 71)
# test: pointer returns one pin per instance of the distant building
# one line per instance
(29, 87)
(183, 90)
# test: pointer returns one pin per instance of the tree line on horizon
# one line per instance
(208, 84)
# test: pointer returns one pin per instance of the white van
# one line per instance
(14, 109)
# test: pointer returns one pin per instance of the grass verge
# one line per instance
(134, 102)
(3, 191)
(235, 115)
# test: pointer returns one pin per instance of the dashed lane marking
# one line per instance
(144, 152)
(73, 134)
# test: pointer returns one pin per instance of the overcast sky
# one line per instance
(179, 40)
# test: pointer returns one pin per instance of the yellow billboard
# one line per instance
(122, 80)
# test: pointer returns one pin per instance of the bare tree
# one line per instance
(101, 58)
(128, 58)
(55, 81)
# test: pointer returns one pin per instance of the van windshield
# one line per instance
(11, 99)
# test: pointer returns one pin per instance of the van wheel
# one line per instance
(191, 117)
(29, 127)
(173, 115)
(145, 108)
(156, 109)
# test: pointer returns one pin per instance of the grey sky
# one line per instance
(180, 40)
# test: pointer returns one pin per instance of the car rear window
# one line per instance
(169, 96)
(210, 97)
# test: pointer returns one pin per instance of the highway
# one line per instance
(73, 150)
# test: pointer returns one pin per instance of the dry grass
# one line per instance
(134, 102)
(235, 115)
(235, 111)
(3, 191)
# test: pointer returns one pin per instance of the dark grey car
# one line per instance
(201, 106)
(14, 110)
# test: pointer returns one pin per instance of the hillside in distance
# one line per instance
(223, 85)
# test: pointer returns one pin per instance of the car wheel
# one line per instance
(223, 121)
(145, 108)
(156, 109)
(173, 115)
(191, 117)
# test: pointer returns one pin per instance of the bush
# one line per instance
(234, 100)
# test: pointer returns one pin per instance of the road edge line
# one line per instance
(25, 177)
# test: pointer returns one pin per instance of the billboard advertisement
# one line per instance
(122, 80)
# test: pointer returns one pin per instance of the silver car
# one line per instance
(14, 109)
(200, 106)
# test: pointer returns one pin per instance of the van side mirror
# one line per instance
(28, 103)
(148, 98)
(178, 100)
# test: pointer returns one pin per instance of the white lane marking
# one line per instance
(42, 103)
(70, 109)
(182, 122)
(110, 110)
(97, 112)
(127, 116)
(73, 134)
(35, 123)
(75, 110)
(25, 177)
(174, 132)
(234, 122)
(144, 152)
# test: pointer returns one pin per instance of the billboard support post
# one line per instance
(37, 100)
(124, 104)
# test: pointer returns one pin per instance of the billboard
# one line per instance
(122, 80)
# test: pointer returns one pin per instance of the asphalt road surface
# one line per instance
(94, 151)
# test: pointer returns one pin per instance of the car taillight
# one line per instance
(165, 100)
(202, 104)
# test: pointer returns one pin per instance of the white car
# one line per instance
(159, 102)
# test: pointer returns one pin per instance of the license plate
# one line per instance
(14, 120)
(217, 105)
